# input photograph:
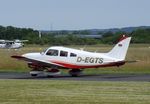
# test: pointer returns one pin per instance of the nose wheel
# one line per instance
(52, 72)
(35, 72)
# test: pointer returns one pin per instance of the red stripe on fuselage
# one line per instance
(73, 66)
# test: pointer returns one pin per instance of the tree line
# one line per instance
(65, 38)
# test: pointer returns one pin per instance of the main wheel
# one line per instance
(75, 72)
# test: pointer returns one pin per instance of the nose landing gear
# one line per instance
(34, 73)
(52, 72)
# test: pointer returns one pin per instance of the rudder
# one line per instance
(120, 49)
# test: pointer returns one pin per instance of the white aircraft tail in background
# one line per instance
(55, 58)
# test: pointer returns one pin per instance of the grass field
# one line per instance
(139, 52)
(73, 92)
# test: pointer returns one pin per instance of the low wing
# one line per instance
(17, 40)
(39, 62)
(24, 40)
(8, 41)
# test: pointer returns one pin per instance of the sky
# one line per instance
(74, 14)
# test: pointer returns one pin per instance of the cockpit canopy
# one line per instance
(59, 52)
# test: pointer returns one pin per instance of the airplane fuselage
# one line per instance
(72, 58)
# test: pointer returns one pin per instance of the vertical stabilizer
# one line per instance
(120, 49)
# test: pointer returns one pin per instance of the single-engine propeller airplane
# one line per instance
(54, 58)
(16, 44)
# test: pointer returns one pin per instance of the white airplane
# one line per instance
(54, 58)
(16, 44)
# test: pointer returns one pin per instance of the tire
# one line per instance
(75, 72)
(33, 75)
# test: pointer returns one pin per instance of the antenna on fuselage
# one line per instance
(83, 48)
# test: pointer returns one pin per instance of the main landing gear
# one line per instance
(75, 72)
(48, 72)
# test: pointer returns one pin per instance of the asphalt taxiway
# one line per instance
(85, 77)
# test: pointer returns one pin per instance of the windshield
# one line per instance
(52, 52)
(44, 51)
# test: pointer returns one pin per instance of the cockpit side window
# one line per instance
(52, 52)
(73, 55)
(63, 53)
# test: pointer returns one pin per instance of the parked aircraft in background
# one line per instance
(16, 44)
(53, 59)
